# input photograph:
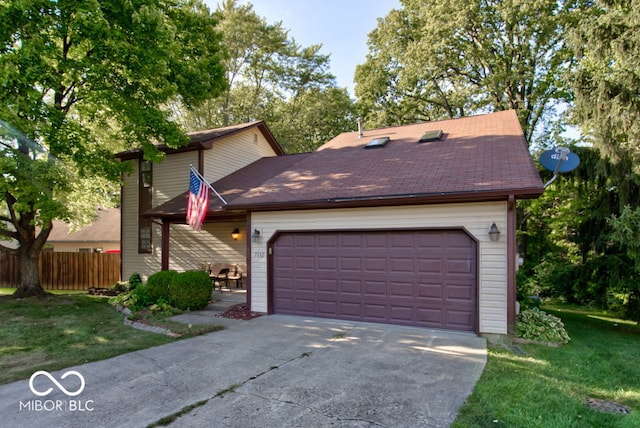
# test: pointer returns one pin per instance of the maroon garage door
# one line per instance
(424, 278)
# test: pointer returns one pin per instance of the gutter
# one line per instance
(393, 200)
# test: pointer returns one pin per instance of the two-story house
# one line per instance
(411, 225)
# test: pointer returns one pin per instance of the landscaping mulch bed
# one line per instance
(240, 312)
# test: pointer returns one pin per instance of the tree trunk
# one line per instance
(29, 275)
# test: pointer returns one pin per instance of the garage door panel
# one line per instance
(305, 263)
(350, 286)
(327, 241)
(460, 293)
(327, 285)
(351, 264)
(429, 317)
(374, 288)
(327, 307)
(424, 278)
(458, 319)
(429, 265)
(375, 312)
(350, 240)
(401, 289)
(402, 265)
(402, 314)
(429, 291)
(375, 264)
(327, 263)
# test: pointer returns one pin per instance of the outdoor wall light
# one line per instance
(494, 232)
(256, 235)
(235, 234)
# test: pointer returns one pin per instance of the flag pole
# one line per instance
(195, 171)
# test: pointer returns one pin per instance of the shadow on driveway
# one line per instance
(274, 370)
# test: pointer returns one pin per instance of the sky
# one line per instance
(341, 26)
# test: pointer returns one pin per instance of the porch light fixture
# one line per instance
(235, 234)
(256, 235)
(494, 232)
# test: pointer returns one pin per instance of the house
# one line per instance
(101, 236)
(411, 225)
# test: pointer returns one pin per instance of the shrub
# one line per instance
(121, 287)
(158, 285)
(190, 290)
(134, 299)
(134, 281)
(534, 324)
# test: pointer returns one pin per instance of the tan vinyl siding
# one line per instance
(476, 218)
(171, 176)
(213, 244)
(235, 152)
(131, 260)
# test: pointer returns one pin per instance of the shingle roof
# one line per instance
(205, 139)
(481, 157)
(484, 154)
(106, 228)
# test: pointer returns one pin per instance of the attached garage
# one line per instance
(425, 278)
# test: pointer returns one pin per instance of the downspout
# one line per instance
(511, 265)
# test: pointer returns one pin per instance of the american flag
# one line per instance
(198, 201)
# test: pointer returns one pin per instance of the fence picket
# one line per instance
(66, 271)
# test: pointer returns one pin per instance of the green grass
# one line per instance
(66, 330)
(548, 386)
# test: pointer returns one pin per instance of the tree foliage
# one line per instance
(272, 78)
(438, 59)
(607, 79)
(76, 76)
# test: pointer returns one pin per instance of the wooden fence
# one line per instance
(66, 271)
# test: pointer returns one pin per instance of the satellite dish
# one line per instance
(558, 160)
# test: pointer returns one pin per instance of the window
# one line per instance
(145, 193)
(377, 143)
(431, 136)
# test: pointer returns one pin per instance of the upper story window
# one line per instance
(145, 193)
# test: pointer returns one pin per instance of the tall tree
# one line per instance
(75, 71)
(272, 78)
(433, 59)
(607, 79)
(607, 107)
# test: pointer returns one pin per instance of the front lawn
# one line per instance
(66, 330)
(548, 387)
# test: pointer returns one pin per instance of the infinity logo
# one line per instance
(52, 379)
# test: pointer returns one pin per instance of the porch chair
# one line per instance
(222, 277)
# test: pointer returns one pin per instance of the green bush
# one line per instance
(134, 281)
(158, 285)
(135, 299)
(534, 324)
(190, 290)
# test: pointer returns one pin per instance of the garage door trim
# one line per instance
(272, 241)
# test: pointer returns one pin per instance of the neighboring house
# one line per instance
(396, 225)
(101, 236)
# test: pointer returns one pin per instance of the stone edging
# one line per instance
(142, 326)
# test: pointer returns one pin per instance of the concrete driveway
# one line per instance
(275, 370)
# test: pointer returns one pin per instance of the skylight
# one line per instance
(431, 136)
(377, 143)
